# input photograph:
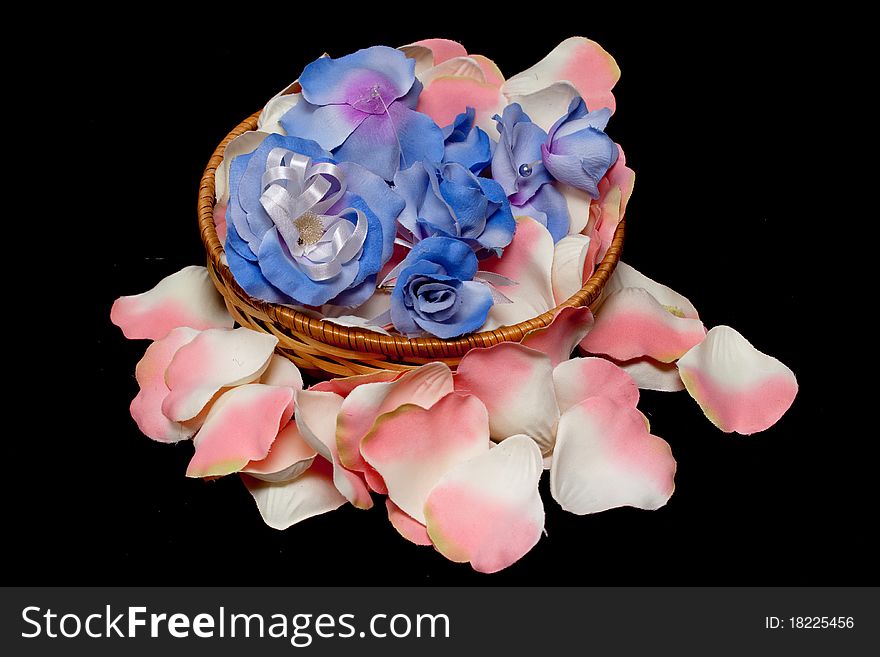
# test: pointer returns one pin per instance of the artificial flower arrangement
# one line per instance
(416, 192)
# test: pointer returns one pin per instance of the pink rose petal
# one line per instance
(289, 456)
(186, 298)
(412, 530)
(738, 387)
(447, 97)
(282, 372)
(626, 276)
(650, 374)
(581, 378)
(558, 341)
(343, 386)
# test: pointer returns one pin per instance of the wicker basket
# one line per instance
(337, 350)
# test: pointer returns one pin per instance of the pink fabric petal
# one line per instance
(579, 203)
(413, 447)
(412, 530)
(186, 298)
(631, 323)
(738, 387)
(316, 417)
(626, 276)
(447, 97)
(457, 67)
(607, 211)
(605, 458)
(288, 458)
(516, 385)
(491, 72)
(422, 387)
(559, 340)
(220, 222)
(215, 359)
(528, 261)
(546, 105)
(241, 427)
(580, 61)
(344, 386)
(146, 407)
(488, 511)
(574, 257)
(439, 50)
(283, 504)
(282, 372)
(581, 378)
(650, 374)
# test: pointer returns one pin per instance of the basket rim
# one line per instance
(362, 340)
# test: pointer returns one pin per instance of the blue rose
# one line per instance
(517, 165)
(435, 292)
(466, 144)
(303, 229)
(577, 151)
(450, 201)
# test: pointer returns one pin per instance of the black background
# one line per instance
(731, 207)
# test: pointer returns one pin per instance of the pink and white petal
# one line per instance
(457, 67)
(626, 276)
(559, 340)
(447, 97)
(572, 265)
(185, 298)
(547, 105)
(146, 407)
(491, 72)
(316, 416)
(240, 428)
(422, 387)
(578, 202)
(269, 120)
(581, 378)
(580, 61)
(631, 323)
(344, 385)
(606, 458)
(220, 224)
(430, 52)
(282, 372)
(488, 511)
(374, 481)
(215, 359)
(289, 456)
(411, 529)
(247, 142)
(528, 261)
(650, 374)
(516, 385)
(609, 209)
(412, 447)
(738, 387)
(283, 504)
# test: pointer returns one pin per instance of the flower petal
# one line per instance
(316, 417)
(516, 385)
(544, 106)
(241, 427)
(146, 407)
(738, 387)
(215, 359)
(650, 374)
(581, 378)
(286, 503)
(328, 125)
(422, 387)
(412, 530)
(626, 276)
(431, 52)
(559, 339)
(288, 458)
(186, 298)
(244, 143)
(631, 323)
(528, 261)
(605, 458)
(282, 372)
(573, 261)
(344, 385)
(578, 202)
(580, 61)
(456, 67)
(488, 511)
(412, 448)
(270, 118)
(447, 97)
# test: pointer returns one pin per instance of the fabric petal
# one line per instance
(447, 97)
(578, 202)
(428, 53)
(605, 458)
(351, 78)
(288, 458)
(488, 511)
(411, 529)
(215, 359)
(343, 386)
(559, 339)
(328, 125)
(626, 276)
(572, 265)
(270, 118)
(650, 374)
(286, 503)
(580, 61)
(146, 407)
(544, 106)
(241, 427)
(549, 208)
(244, 143)
(581, 378)
(412, 447)
(528, 261)
(456, 67)
(631, 323)
(738, 387)
(185, 298)
(282, 372)
(516, 385)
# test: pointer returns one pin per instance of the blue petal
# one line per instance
(520, 144)
(400, 314)
(581, 159)
(476, 301)
(577, 118)
(548, 207)
(412, 185)
(370, 258)
(499, 230)
(234, 242)
(420, 138)
(357, 295)
(349, 78)
(329, 125)
(384, 203)
(460, 188)
(456, 257)
(467, 145)
(248, 275)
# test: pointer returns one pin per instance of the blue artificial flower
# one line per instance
(467, 144)
(518, 167)
(362, 108)
(450, 201)
(435, 292)
(577, 151)
(286, 244)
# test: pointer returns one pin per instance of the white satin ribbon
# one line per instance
(294, 186)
